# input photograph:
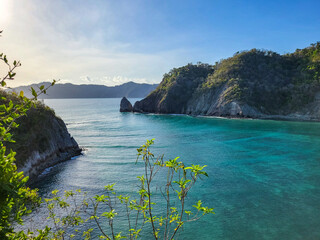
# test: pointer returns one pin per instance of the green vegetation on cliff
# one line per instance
(267, 80)
(263, 81)
(31, 126)
(40, 137)
(177, 88)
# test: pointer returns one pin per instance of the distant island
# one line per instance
(68, 90)
(251, 84)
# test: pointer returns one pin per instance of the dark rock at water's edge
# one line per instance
(251, 84)
(42, 141)
(125, 105)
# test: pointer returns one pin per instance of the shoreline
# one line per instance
(37, 163)
(264, 117)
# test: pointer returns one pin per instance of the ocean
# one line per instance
(264, 175)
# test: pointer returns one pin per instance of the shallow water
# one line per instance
(264, 176)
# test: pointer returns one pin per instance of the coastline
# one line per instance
(37, 163)
(262, 117)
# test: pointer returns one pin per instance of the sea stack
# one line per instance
(125, 105)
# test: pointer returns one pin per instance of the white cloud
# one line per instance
(55, 41)
(117, 80)
(107, 80)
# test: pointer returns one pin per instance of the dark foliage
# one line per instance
(267, 80)
(175, 89)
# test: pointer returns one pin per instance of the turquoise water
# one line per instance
(264, 176)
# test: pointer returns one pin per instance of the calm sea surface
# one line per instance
(264, 176)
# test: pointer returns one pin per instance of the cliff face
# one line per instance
(255, 83)
(42, 140)
(176, 88)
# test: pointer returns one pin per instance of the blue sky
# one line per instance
(111, 42)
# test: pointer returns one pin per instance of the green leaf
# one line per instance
(34, 93)
(110, 214)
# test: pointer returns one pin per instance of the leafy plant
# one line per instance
(144, 220)
(16, 200)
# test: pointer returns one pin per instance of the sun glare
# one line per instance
(5, 10)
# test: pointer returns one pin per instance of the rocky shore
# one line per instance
(42, 141)
(251, 84)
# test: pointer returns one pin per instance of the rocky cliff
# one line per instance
(42, 140)
(255, 84)
(175, 90)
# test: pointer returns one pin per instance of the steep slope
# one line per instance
(42, 140)
(176, 88)
(68, 90)
(255, 83)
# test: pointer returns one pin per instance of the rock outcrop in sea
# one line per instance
(125, 105)
(253, 84)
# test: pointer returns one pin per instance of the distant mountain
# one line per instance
(68, 90)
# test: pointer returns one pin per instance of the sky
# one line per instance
(111, 42)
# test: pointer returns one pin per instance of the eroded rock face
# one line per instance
(125, 105)
(42, 141)
(213, 103)
(59, 150)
